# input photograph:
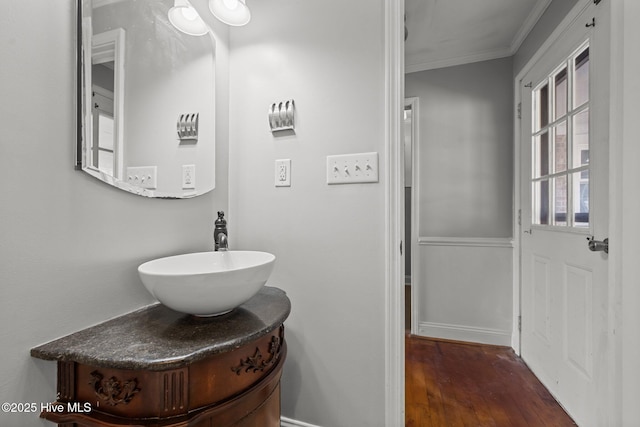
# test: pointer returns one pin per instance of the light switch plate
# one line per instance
(188, 177)
(143, 176)
(283, 173)
(352, 168)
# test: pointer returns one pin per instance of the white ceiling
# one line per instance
(443, 33)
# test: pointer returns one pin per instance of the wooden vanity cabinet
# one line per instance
(238, 387)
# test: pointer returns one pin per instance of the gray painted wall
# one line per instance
(548, 22)
(328, 240)
(466, 149)
(70, 245)
(465, 169)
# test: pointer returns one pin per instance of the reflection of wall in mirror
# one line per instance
(168, 73)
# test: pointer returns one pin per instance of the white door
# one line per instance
(564, 201)
(103, 140)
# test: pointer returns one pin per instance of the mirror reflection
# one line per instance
(147, 109)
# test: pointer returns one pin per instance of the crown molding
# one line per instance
(458, 60)
(532, 19)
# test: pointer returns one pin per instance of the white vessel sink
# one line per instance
(207, 283)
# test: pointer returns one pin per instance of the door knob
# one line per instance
(598, 245)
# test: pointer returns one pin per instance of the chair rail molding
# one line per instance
(489, 242)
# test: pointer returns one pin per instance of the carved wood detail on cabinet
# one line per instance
(256, 362)
(239, 388)
(113, 391)
(174, 391)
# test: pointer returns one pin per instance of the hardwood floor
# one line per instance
(450, 384)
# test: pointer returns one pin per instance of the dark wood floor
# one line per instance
(451, 384)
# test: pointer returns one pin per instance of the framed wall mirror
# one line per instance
(146, 99)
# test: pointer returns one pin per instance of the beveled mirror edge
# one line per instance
(78, 87)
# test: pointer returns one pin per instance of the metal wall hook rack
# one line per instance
(187, 126)
(282, 116)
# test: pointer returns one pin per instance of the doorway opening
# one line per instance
(410, 138)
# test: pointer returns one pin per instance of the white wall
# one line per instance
(463, 262)
(70, 244)
(329, 240)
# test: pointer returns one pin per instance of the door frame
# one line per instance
(414, 103)
(394, 212)
(104, 47)
(625, 209)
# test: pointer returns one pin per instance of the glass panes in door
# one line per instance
(560, 145)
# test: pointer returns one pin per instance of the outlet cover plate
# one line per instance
(143, 176)
(188, 177)
(283, 173)
(352, 168)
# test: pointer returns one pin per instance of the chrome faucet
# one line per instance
(223, 244)
(220, 239)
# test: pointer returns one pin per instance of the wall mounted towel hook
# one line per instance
(282, 116)
(187, 126)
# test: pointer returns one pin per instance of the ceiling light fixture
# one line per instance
(186, 19)
(231, 12)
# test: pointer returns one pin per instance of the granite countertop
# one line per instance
(158, 338)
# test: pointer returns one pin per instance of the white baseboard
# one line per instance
(465, 333)
(288, 422)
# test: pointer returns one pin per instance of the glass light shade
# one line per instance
(186, 19)
(231, 12)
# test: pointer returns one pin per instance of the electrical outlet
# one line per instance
(142, 176)
(283, 173)
(188, 177)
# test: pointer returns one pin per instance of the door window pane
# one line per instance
(542, 107)
(581, 198)
(560, 196)
(541, 202)
(561, 93)
(560, 148)
(581, 139)
(541, 155)
(581, 83)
